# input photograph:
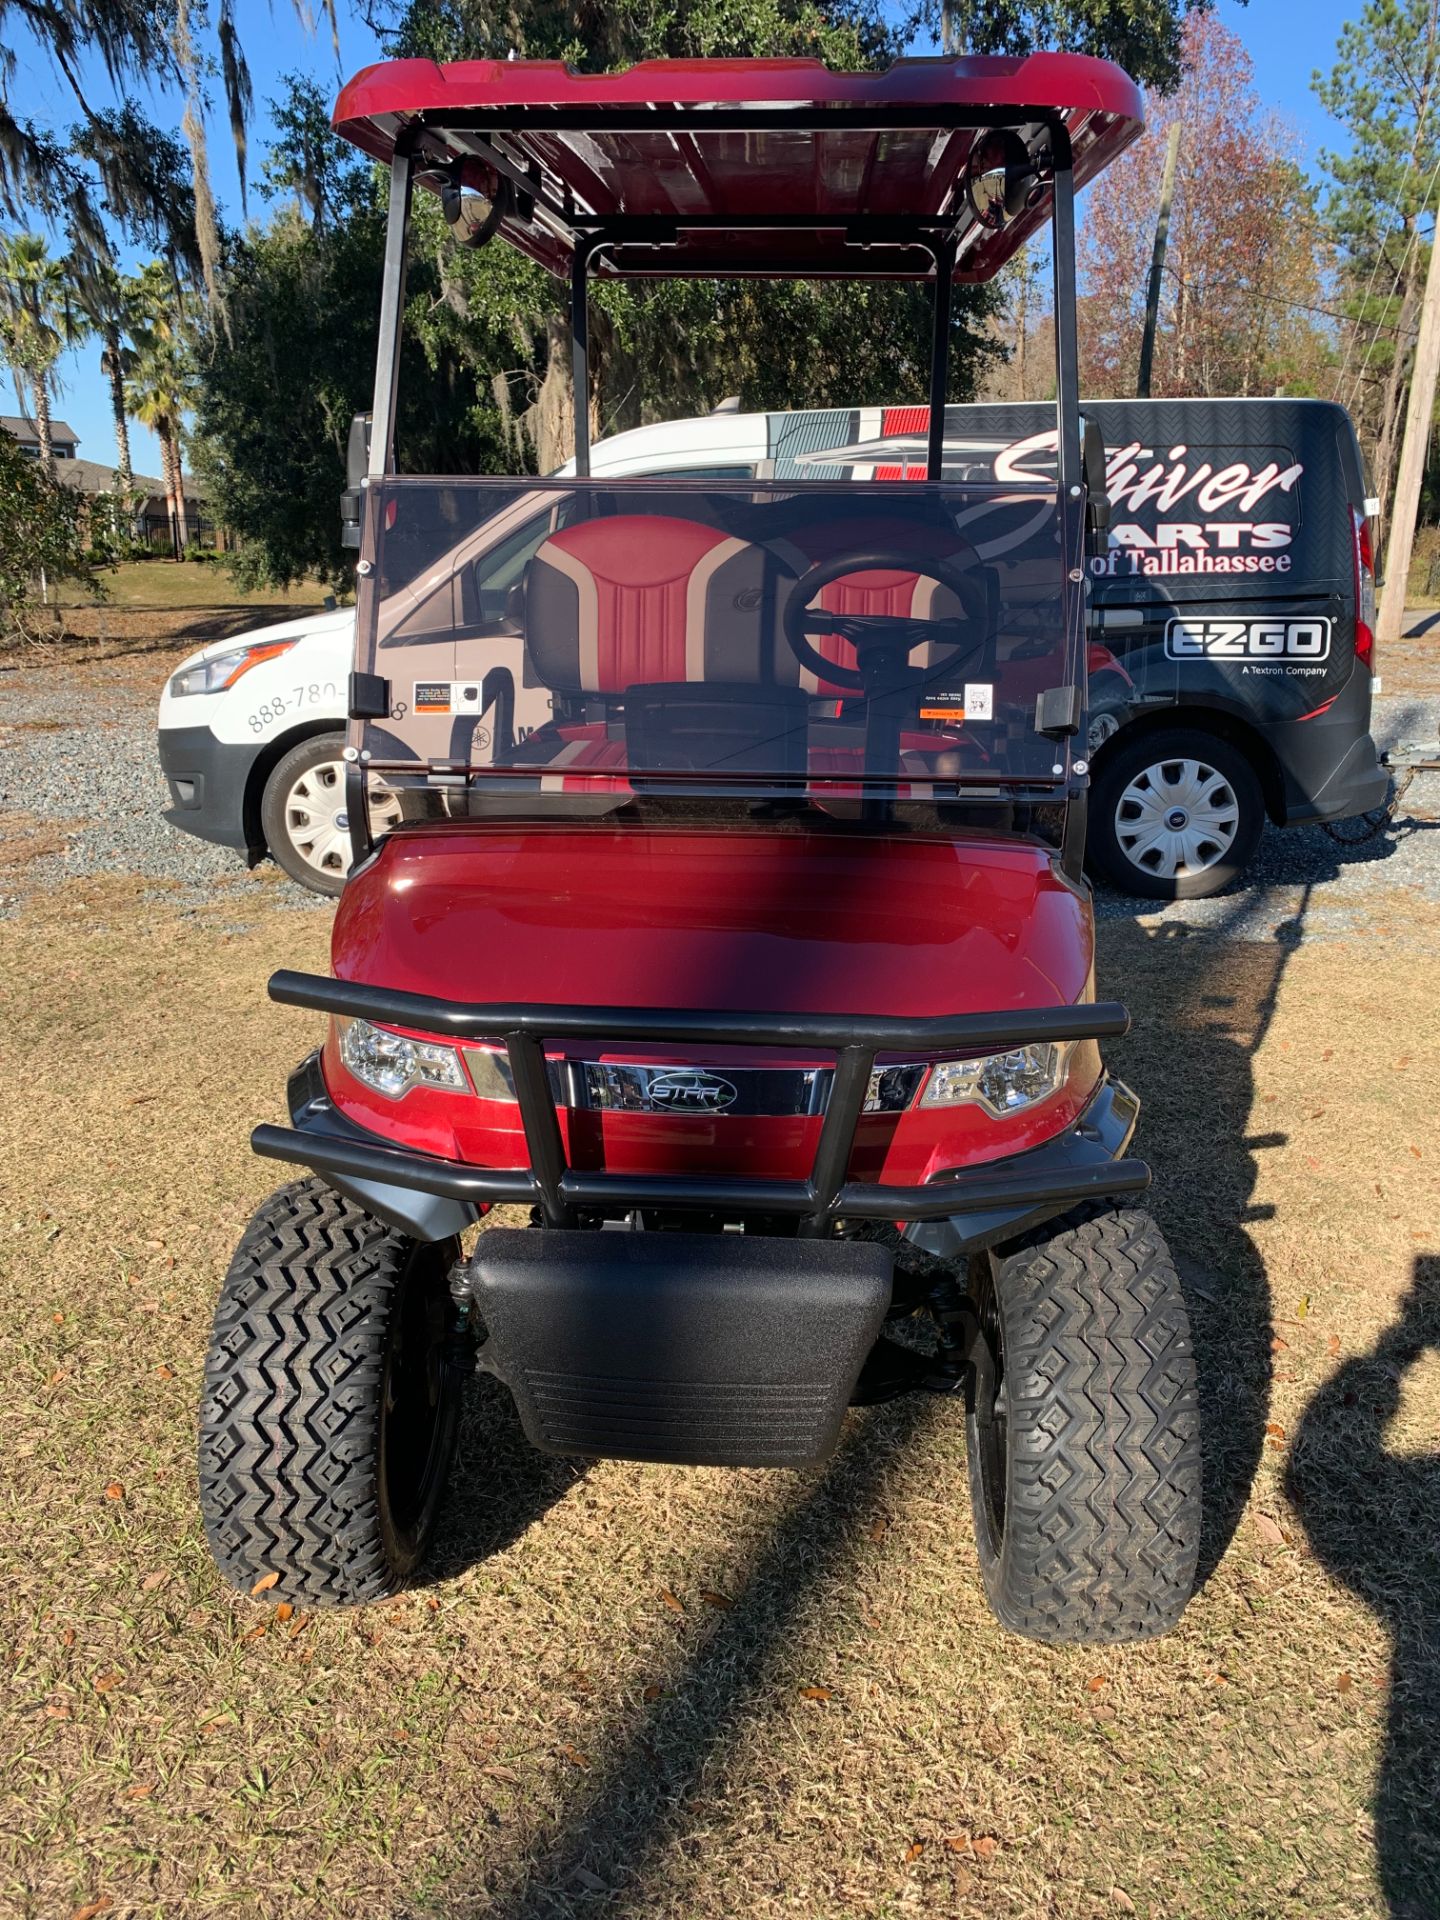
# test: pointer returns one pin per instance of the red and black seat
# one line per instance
(633, 599)
(676, 624)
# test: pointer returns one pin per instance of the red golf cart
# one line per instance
(734, 934)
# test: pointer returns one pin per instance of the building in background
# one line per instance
(63, 440)
(154, 522)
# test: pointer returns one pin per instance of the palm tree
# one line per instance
(158, 394)
(36, 325)
(113, 312)
(160, 385)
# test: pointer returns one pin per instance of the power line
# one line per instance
(1283, 300)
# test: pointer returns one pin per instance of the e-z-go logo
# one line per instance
(1247, 639)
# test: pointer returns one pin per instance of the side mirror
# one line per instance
(1092, 461)
(357, 465)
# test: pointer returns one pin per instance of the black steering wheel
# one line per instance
(880, 636)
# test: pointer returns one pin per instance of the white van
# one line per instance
(251, 728)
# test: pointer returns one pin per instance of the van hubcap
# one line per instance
(1177, 818)
(316, 820)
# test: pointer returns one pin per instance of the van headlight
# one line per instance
(1001, 1083)
(215, 675)
(388, 1063)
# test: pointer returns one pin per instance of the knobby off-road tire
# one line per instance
(331, 1400)
(1086, 1485)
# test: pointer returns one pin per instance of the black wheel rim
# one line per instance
(414, 1398)
(989, 1425)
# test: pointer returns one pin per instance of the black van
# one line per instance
(1231, 622)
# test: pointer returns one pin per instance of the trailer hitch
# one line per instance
(1402, 763)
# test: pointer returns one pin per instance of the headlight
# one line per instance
(1001, 1083)
(388, 1063)
(215, 675)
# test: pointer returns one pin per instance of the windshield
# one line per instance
(591, 637)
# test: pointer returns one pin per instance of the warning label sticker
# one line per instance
(975, 702)
(432, 696)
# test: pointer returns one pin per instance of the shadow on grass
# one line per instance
(638, 1805)
(1373, 1519)
(189, 628)
(1202, 1002)
(499, 1484)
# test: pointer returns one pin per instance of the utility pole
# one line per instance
(1157, 263)
(1418, 415)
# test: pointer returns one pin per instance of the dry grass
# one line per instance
(24, 836)
(654, 1692)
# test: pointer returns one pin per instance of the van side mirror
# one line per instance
(357, 465)
(1092, 462)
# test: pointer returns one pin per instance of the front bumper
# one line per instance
(208, 779)
(702, 1349)
(432, 1198)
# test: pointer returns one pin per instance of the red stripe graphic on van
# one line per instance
(904, 419)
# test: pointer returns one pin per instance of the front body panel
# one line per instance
(732, 921)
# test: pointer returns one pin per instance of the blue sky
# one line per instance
(276, 44)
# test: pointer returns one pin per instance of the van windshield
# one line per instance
(634, 635)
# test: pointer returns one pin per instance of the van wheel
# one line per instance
(1174, 816)
(1084, 1437)
(331, 1401)
(302, 813)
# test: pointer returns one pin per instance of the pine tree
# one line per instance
(1385, 89)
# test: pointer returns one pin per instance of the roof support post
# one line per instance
(392, 309)
(585, 245)
(944, 254)
(1067, 370)
(1070, 466)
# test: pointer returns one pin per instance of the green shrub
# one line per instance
(44, 537)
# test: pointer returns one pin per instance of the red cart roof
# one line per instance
(717, 141)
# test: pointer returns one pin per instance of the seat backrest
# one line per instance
(634, 599)
(639, 598)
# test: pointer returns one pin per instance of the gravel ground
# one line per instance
(100, 786)
(92, 798)
(1338, 889)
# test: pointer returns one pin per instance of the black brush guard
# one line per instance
(562, 1192)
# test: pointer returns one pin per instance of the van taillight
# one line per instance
(1364, 591)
